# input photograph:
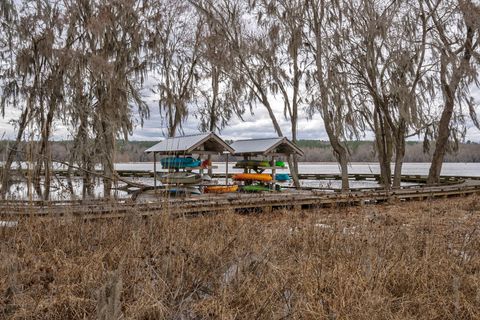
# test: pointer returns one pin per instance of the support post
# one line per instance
(155, 172)
(274, 170)
(226, 172)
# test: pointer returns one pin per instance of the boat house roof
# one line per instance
(267, 146)
(205, 143)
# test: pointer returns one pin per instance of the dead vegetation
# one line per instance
(403, 261)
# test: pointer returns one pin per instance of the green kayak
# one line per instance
(252, 163)
(255, 188)
(280, 164)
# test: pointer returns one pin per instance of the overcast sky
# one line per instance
(253, 126)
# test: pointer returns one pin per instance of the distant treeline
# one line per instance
(315, 151)
(364, 151)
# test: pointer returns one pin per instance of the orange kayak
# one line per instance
(220, 189)
(253, 177)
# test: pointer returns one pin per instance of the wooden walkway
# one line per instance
(208, 204)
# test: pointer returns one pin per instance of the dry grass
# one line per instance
(405, 261)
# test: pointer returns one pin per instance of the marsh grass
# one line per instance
(404, 261)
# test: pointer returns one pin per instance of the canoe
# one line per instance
(252, 163)
(181, 178)
(255, 188)
(252, 177)
(183, 191)
(220, 189)
(179, 163)
(206, 177)
(282, 177)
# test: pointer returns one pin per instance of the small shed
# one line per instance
(201, 144)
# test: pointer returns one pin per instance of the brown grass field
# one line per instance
(416, 260)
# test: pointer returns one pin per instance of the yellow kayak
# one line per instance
(252, 177)
(220, 189)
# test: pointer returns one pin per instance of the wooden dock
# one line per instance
(208, 204)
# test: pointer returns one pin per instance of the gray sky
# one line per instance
(254, 126)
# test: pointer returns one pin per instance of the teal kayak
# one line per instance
(180, 163)
(282, 177)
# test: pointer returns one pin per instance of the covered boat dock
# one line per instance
(198, 144)
(272, 148)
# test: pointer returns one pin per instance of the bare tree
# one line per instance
(385, 54)
(283, 54)
(111, 38)
(33, 81)
(220, 94)
(234, 21)
(331, 96)
(265, 41)
(176, 61)
(456, 45)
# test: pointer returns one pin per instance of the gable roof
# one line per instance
(280, 145)
(191, 144)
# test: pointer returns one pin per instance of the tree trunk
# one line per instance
(383, 144)
(441, 142)
(107, 158)
(342, 157)
(44, 152)
(293, 165)
(399, 154)
(340, 151)
(267, 105)
(22, 124)
(293, 160)
(343, 160)
(449, 89)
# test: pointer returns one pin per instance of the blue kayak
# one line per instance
(180, 163)
(282, 177)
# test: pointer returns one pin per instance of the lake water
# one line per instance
(448, 169)
(21, 191)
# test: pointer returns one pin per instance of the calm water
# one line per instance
(59, 189)
(448, 169)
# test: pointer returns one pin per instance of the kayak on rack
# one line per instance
(252, 177)
(255, 188)
(176, 191)
(252, 163)
(181, 178)
(282, 177)
(280, 164)
(221, 189)
(179, 163)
